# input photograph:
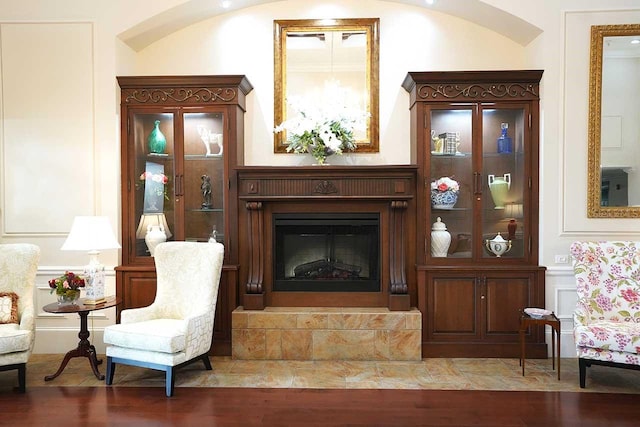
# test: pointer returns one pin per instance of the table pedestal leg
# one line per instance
(84, 349)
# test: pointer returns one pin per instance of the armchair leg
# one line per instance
(170, 379)
(206, 361)
(22, 378)
(111, 368)
(582, 364)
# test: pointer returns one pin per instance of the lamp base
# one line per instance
(94, 272)
(511, 228)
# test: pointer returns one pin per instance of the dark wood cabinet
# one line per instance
(181, 141)
(476, 134)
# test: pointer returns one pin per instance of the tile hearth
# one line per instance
(326, 333)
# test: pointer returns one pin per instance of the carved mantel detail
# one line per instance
(325, 187)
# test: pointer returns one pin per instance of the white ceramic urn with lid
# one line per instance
(440, 239)
(498, 246)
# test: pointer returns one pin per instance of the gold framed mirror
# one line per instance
(325, 59)
(614, 134)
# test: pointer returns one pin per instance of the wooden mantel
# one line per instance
(386, 189)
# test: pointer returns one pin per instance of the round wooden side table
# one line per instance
(85, 348)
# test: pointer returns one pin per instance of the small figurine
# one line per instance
(206, 192)
(438, 143)
(209, 138)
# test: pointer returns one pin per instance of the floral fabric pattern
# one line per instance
(607, 315)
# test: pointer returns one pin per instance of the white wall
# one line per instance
(413, 38)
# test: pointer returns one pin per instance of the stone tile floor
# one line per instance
(441, 374)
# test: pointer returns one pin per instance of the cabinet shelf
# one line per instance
(206, 210)
(203, 157)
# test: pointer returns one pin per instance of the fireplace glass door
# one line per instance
(326, 252)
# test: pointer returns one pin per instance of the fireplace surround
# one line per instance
(381, 197)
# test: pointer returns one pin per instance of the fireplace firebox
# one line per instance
(326, 252)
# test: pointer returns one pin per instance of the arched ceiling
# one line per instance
(193, 11)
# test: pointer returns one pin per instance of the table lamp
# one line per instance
(93, 234)
(513, 211)
(153, 228)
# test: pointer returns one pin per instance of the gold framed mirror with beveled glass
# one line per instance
(614, 132)
(328, 60)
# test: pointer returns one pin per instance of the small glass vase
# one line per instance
(156, 140)
(69, 297)
(504, 141)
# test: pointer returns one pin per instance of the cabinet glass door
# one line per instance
(154, 171)
(505, 181)
(203, 180)
(451, 181)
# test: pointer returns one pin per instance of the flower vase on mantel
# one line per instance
(320, 153)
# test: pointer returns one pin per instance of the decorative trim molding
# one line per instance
(487, 91)
(181, 95)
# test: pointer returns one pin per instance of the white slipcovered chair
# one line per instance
(176, 329)
(18, 267)
(607, 314)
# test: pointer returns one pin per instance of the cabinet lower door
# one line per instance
(505, 298)
(138, 289)
(453, 308)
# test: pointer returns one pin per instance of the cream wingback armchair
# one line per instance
(18, 267)
(607, 315)
(177, 327)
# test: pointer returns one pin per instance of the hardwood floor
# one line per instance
(433, 392)
(147, 406)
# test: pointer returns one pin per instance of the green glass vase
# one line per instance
(156, 140)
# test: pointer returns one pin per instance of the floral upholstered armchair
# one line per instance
(607, 315)
(18, 267)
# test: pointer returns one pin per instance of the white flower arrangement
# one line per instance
(445, 184)
(321, 131)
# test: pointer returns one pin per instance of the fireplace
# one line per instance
(326, 252)
(331, 236)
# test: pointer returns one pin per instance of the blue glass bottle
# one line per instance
(504, 141)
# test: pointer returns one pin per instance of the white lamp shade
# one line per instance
(152, 219)
(513, 210)
(90, 233)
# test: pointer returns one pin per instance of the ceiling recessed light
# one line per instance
(635, 41)
(226, 4)
(429, 2)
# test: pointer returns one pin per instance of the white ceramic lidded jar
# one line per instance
(440, 239)
(155, 235)
(498, 246)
